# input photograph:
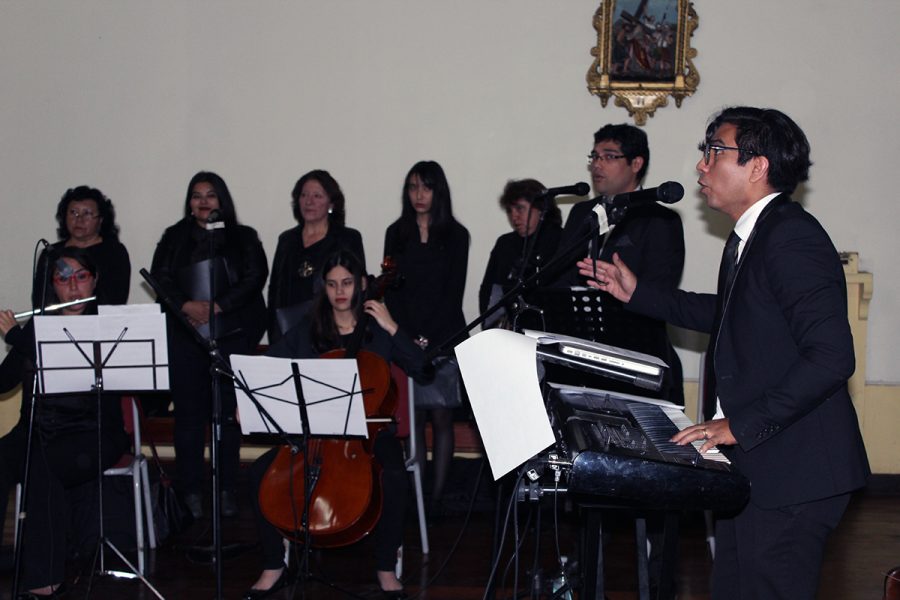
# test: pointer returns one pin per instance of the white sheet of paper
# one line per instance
(326, 383)
(499, 370)
(138, 362)
(128, 309)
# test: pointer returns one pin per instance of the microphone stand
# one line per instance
(216, 434)
(520, 306)
(218, 367)
(26, 470)
(520, 288)
(29, 439)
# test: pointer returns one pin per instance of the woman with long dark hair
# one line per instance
(318, 206)
(431, 251)
(337, 310)
(181, 265)
(64, 452)
(87, 219)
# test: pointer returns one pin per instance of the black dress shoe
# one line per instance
(253, 594)
(229, 504)
(393, 595)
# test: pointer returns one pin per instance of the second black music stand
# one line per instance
(93, 353)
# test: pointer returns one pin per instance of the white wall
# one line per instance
(134, 97)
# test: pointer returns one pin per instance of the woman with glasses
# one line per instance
(318, 206)
(209, 242)
(64, 453)
(431, 251)
(87, 219)
(531, 242)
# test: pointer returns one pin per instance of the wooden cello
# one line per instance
(346, 495)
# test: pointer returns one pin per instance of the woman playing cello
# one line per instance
(336, 312)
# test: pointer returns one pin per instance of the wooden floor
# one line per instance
(866, 544)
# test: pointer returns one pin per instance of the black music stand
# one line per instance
(323, 401)
(140, 365)
(578, 312)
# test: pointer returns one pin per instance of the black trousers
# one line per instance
(388, 533)
(58, 465)
(774, 554)
(191, 383)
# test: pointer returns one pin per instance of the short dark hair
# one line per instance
(332, 190)
(532, 191)
(105, 210)
(771, 133)
(632, 140)
(226, 203)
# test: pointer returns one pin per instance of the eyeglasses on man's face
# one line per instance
(716, 149)
(605, 157)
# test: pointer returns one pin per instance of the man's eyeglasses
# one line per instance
(87, 214)
(717, 149)
(607, 157)
(81, 276)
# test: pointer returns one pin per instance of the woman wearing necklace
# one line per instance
(431, 251)
(338, 308)
(318, 206)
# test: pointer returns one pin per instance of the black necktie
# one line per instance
(729, 266)
(727, 269)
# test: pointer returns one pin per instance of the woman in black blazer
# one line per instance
(181, 267)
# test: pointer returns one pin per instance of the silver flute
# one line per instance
(37, 311)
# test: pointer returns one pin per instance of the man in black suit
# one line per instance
(649, 237)
(781, 353)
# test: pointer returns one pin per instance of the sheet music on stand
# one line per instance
(132, 344)
(331, 389)
(120, 349)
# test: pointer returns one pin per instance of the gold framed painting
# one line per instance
(643, 54)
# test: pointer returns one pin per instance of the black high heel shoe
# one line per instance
(283, 581)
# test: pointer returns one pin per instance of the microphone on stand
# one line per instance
(669, 192)
(34, 271)
(577, 189)
(214, 220)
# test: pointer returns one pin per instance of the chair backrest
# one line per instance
(132, 420)
(401, 413)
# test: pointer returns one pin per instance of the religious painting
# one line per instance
(643, 54)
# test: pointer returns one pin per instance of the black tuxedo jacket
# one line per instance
(650, 240)
(783, 356)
